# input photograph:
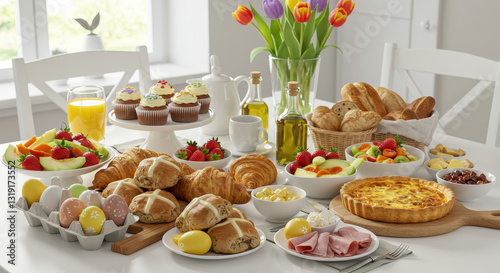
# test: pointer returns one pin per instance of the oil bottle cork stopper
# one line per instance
(255, 75)
(293, 88)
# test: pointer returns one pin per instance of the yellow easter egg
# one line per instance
(195, 242)
(92, 219)
(32, 190)
(297, 227)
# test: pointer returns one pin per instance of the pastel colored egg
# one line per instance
(32, 190)
(70, 211)
(92, 219)
(77, 189)
(85, 197)
(115, 208)
(50, 199)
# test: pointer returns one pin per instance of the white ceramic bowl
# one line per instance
(279, 211)
(432, 172)
(198, 165)
(319, 187)
(465, 192)
(330, 228)
(381, 169)
(431, 155)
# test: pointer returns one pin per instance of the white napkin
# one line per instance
(420, 130)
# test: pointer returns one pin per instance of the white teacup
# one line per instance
(246, 132)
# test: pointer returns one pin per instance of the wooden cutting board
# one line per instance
(459, 216)
(144, 235)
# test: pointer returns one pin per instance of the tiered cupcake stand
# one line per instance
(162, 138)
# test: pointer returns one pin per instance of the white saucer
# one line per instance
(262, 149)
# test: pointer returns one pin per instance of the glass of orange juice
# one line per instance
(87, 111)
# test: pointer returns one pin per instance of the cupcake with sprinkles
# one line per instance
(201, 92)
(125, 103)
(152, 110)
(164, 89)
(184, 107)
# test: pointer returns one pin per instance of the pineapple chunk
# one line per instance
(455, 164)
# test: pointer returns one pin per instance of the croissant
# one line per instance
(210, 180)
(253, 170)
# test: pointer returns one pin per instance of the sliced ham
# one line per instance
(321, 249)
(304, 243)
(342, 246)
(364, 239)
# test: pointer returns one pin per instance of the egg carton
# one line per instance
(110, 232)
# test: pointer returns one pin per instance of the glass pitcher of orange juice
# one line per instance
(87, 111)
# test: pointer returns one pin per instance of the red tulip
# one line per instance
(302, 12)
(347, 5)
(243, 15)
(337, 17)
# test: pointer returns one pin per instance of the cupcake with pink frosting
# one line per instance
(125, 103)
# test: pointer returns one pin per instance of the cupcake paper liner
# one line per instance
(152, 117)
(184, 114)
(205, 105)
(125, 111)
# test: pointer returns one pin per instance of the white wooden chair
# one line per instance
(449, 63)
(79, 64)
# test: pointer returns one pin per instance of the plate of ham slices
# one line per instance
(348, 242)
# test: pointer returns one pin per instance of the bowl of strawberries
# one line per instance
(211, 153)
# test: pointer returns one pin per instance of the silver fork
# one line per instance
(393, 255)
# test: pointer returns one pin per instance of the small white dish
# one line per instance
(282, 242)
(279, 211)
(210, 255)
(198, 165)
(262, 149)
(466, 192)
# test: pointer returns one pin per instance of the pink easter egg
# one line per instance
(115, 208)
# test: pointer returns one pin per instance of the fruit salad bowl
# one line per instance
(381, 169)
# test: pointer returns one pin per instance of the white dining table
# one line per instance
(466, 249)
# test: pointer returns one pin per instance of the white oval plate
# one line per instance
(262, 149)
(210, 255)
(282, 242)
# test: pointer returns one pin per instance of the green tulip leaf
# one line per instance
(276, 33)
(308, 31)
(310, 52)
(282, 51)
(264, 29)
(292, 43)
(256, 51)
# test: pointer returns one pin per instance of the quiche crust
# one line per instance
(391, 213)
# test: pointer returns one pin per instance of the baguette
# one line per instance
(365, 96)
(423, 106)
(392, 101)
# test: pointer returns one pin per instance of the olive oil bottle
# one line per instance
(291, 128)
(254, 104)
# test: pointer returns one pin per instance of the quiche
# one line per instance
(397, 199)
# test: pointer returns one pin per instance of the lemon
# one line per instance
(176, 238)
(32, 190)
(195, 242)
(297, 227)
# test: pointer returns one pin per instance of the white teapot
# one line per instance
(225, 101)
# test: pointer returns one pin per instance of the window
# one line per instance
(8, 46)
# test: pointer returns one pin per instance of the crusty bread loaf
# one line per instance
(157, 206)
(356, 120)
(392, 101)
(325, 118)
(126, 188)
(158, 173)
(342, 107)
(365, 96)
(233, 235)
(423, 106)
(405, 114)
(203, 212)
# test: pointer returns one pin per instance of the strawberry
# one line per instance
(64, 133)
(321, 152)
(59, 152)
(390, 143)
(333, 154)
(198, 156)
(303, 157)
(215, 154)
(184, 154)
(192, 146)
(31, 162)
(78, 136)
(91, 158)
(294, 167)
(86, 143)
(212, 144)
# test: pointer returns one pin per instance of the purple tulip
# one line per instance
(320, 3)
(273, 8)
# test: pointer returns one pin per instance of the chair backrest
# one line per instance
(79, 64)
(448, 63)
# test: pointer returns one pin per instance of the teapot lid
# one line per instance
(216, 75)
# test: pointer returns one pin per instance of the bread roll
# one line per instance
(126, 188)
(365, 96)
(357, 120)
(203, 212)
(405, 114)
(155, 207)
(342, 107)
(423, 106)
(325, 118)
(233, 235)
(392, 101)
(158, 173)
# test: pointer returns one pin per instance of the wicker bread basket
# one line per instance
(334, 139)
(378, 137)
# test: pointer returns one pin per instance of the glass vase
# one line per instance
(305, 71)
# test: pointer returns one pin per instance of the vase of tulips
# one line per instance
(296, 35)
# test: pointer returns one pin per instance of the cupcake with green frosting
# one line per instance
(125, 103)
(184, 107)
(201, 92)
(152, 110)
